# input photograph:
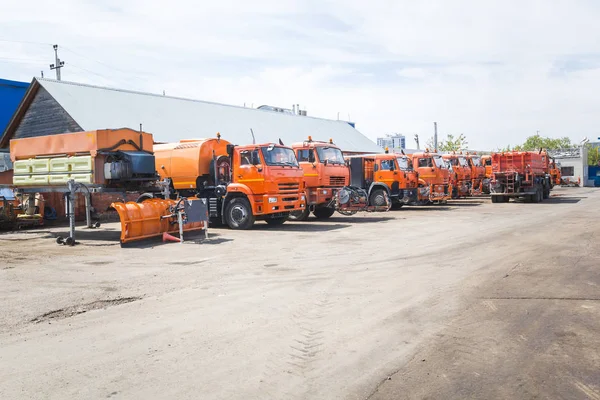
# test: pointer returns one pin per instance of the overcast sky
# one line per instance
(496, 71)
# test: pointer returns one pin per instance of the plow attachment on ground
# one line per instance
(154, 217)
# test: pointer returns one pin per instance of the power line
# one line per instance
(112, 67)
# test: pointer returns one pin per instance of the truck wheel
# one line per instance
(275, 220)
(494, 199)
(377, 198)
(323, 212)
(300, 215)
(536, 196)
(238, 214)
(454, 193)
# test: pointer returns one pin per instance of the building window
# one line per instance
(567, 171)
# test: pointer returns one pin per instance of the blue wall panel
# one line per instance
(11, 94)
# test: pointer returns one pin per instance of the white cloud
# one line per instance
(495, 70)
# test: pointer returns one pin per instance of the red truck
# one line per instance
(520, 175)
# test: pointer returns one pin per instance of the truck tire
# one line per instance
(494, 199)
(238, 214)
(536, 196)
(323, 212)
(377, 198)
(300, 215)
(274, 221)
(547, 193)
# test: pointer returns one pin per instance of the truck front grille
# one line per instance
(337, 181)
(289, 187)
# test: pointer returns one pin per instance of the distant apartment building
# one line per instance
(393, 141)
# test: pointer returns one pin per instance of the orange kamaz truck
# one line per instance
(241, 183)
(460, 175)
(389, 179)
(477, 174)
(434, 177)
(325, 173)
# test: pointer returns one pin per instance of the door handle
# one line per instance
(240, 176)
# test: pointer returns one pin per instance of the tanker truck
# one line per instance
(241, 183)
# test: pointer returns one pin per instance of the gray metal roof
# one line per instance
(170, 118)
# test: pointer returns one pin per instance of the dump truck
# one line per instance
(325, 173)
(241, 183)
(477, 174)
(388, 179)
(520, 175)
(459, 175)
(434, 177)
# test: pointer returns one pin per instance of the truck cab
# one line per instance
(434, 177)
(486, 160)
(241, 183)
(325, 172)
(459, 174)
(477, 174)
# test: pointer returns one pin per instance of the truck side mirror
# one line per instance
(375, 167)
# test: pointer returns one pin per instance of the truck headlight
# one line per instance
(303, 198)
(324, 191)
(272, 199)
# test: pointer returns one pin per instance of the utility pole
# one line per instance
(435, 142)
(57, 63)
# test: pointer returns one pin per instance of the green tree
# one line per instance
(450, 144)
(537, 142)
(593, 155)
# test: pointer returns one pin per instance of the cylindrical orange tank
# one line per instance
(185, 161)
(145, 220)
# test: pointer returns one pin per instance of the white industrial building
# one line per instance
(51, 107)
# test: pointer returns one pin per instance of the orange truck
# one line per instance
(520, 175)
(460, 174)
(554, 171)
(241, 183)
(434, 177)
(486, 160)
(477, 174)
(388, 179)
(325, 173)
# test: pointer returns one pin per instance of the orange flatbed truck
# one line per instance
(241, 183)
(434, 177)
(460, 175)
(325, 173)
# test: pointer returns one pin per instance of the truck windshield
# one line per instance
(463, 162)
(476, 161)
(439, 161)
(404, 164)
(332, 155)
(279, 156)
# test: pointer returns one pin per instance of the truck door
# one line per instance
(387, 172)
(250, 170)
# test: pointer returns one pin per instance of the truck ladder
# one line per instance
(510, 183)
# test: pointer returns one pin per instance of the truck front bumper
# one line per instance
(278, 203)
(321, 195)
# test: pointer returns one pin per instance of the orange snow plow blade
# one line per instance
(151, 218)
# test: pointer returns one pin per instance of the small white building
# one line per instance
(573, 165)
